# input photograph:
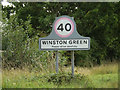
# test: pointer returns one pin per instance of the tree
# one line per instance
(99, 21)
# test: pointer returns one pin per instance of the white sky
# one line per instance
(5, 3)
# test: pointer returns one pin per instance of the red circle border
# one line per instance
(63, 19)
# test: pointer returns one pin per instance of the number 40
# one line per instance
(60, 27)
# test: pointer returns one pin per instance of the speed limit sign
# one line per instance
(64, 36)
(64, 27)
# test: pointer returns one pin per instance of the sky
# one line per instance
(5, 3)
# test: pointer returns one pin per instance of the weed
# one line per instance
(96, 77)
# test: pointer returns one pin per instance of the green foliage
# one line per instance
(99, 21)
(25, 23)
(22, 78)
(105, 81)
(18, 49)
(66, 79)
(13, 43)
(33, 80)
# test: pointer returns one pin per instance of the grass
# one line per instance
(105, 69)
(0, 79)
(25, 79)
(104, 76)
(105, 81)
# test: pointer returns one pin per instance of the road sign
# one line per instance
(64, 27)
(68, 44)
(64, 36)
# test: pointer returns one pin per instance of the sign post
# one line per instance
(72, 61)
(64, 36)
(57, 61)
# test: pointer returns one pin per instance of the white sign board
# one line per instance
(64, 36)
(64, 44)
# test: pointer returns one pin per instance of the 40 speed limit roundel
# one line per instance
(64, 27)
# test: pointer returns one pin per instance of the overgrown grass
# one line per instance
(110, 68)
(105, 76)
(0, 79)
(25, 79)
(105, 80)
